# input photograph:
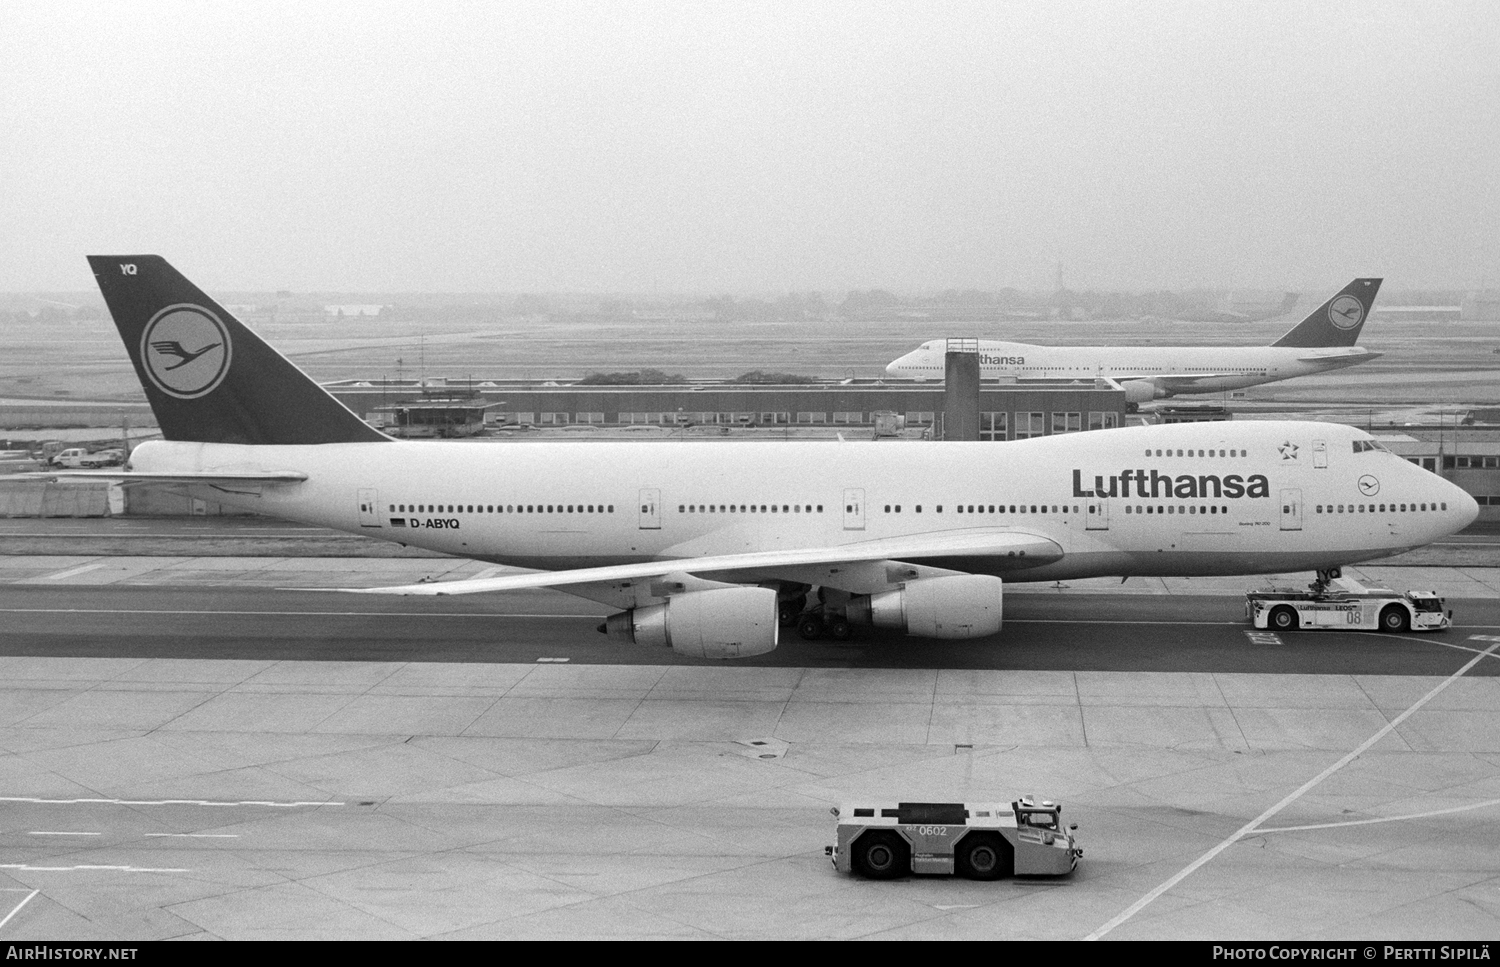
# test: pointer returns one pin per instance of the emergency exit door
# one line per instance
(650, 519)
(369, 507)
(854, 509)
(1291, 510)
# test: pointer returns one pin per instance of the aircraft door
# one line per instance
(854, 509)
(650, 509)
(1096, 517)
(369, 508)
(1291, 510)
(1320, 455)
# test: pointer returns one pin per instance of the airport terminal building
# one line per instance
(1005, 412)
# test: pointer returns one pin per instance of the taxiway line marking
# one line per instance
(62, 832)
(72, 571)
(17, 908)
(26, 868)
(1383, 819)
(508, 614)
(1290, 798)
(590, 617)
(307, 614)
(196, 835)
(164, 802)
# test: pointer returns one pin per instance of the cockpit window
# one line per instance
(1368, 446)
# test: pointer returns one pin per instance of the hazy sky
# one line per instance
(736, 147)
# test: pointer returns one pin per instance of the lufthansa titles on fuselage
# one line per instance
(1151, 483)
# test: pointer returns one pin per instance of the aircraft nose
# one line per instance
(895, 367)
(1466, 508)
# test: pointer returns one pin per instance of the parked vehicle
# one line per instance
(72, 458)
(982, 841)
(104, 458)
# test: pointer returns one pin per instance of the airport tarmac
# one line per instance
(164, 774)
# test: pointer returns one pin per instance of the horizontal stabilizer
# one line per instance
(970, 544)
(1340, 359)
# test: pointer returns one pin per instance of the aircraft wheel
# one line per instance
(1283, 619)
(788, 609)
(1394, 618)
(881, 855)
(810, 627)
(984, 856)
(839, 629)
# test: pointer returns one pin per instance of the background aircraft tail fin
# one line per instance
(208, 378)
(1338, 321)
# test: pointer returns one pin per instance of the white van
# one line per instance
(73, 458)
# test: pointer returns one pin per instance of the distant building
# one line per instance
(1482, 306)
(431, 416)
(1006, 412)
(1193, 413)
(353, 310)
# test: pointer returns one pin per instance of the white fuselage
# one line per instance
(1196, 499)
(1185, 369)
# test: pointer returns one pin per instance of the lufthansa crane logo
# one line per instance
(1346, 312)
(185, 349)
(1369, 486)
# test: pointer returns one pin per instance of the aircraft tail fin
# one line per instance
(209, 379)
(1338, 321)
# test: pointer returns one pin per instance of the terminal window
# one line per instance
(994, 426)
(1029, 425)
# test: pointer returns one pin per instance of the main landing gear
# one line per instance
(815, 624)
(822, 620)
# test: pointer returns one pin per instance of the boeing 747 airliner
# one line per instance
(705, 548)
(1322, 342)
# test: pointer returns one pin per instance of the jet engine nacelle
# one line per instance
(721, 623)
(1142, 391)
(960, 606)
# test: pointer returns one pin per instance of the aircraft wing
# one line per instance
(188, 477)
(1184, 382)
(1017, 549)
